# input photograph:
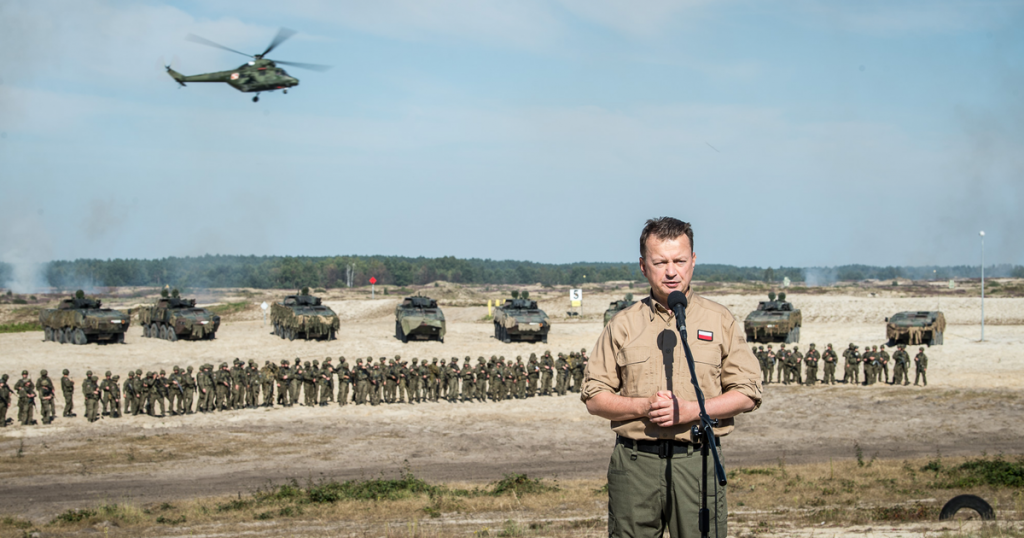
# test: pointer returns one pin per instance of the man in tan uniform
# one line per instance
(638, 379)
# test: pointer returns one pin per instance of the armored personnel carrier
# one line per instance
(520, 319)
(80, 320)
(914, 328)
(774, 321)
(419, 318)
(617, 306)
(172, 318)
(303, 316)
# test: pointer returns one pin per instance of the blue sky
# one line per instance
(792, 133)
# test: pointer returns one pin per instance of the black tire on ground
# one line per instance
(145, 331)
(291, 334)
(78, 338)
(58, 336)
(972, 502)
(47, 334)
(544, 339)
(505, 336)
(936, 339)
(120, 338)
(171, 335)
(794, 336)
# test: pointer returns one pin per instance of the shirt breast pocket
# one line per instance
(634, 364)
(707, 359)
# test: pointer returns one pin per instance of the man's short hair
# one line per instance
(664, 228)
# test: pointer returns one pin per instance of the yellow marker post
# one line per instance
(489, 307)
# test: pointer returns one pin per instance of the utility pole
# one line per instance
(982, 234)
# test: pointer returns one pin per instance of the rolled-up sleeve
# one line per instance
(602, 374)
(740, 370)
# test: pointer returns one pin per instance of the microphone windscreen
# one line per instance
(676, 298)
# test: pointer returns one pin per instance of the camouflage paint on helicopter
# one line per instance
(259, 75)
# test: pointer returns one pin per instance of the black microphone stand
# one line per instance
(703, 430)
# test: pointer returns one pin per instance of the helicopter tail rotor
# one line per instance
(178, 77)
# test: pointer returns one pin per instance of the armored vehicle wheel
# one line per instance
(171, 334)
(145, 331)
(47, 334)
(277, 330)
(60, 336)
(78, 337)
(794, 336)
(400, 333)
(544, 339)
(505, 336)
(120, 338)
(936, 339)
(333, 335)
(154, 331)
(163, 332)
(291, 334)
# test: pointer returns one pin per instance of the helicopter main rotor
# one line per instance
(282, 35)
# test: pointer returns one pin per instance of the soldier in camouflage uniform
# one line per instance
(45, 391)
(67, 386)
(376, 382)
(344, 381)
(798, 371)
(830, 359)
(115, 391)
(253, 383)
(189, 383)
(561, 374)
(27, 394)
(921, 367)
(871, 365)
(223, 381)
(207, 387)
(851, 361)
(883, 360)
(769, 360)
(138, 394)
(547, 373)
(106, 396)
(811, 360)
(781, 362)
(268, 378)
(899, 371)
(91, 391)
(413, 379)
(17, 391)
(5, 400)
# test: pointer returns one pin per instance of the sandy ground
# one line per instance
(973, 404)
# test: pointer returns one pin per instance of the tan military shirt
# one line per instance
(640, 346)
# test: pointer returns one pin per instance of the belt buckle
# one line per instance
(664, 448)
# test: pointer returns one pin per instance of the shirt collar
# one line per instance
(656, 310)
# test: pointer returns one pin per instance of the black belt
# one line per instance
(661, 447)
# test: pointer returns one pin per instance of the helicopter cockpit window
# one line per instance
(282, 72)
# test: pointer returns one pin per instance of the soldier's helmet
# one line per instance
(4, 377)
(796, 348)
(66, 371)
(189, 368)
(829, 346)
(760, 348)
(343, 359)
(812, 344)
(769, 346)
(42, 373)
(316, 362)
(414, 360)
(920, 349)
(398, 357)
(137, 372)
(306, 364)
(24, 372)
(107, 374)
(162, 372)
(583, 350)
(435, 360)
(223, 365)
(87, 373)
(131, 373)
(359, 361)
(176, 369)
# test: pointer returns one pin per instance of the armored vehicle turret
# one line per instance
(172, 318)
(419, 318)
(774, 321)
(80, 320)
(915, 328)
(304, 316)
(617, 306)
(520, 319)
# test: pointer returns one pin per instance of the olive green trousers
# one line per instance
(648, 494)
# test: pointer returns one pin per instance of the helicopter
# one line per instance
(258, 75)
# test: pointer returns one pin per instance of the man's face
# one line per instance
(668, 266)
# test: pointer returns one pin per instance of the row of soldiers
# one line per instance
(241, 386)
(787, 365)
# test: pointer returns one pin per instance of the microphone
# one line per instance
(677, 303)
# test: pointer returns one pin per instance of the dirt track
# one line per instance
(973, 404)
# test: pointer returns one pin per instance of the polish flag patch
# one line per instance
(706, 336)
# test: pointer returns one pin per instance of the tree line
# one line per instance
(277, 272)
